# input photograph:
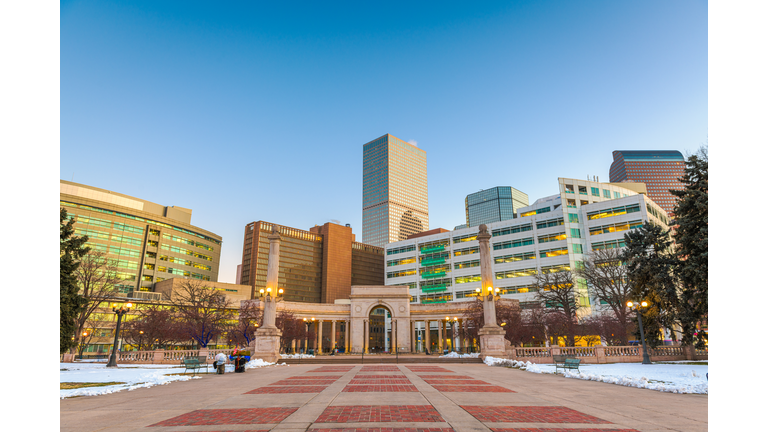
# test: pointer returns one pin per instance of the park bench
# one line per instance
(195, 364)
(565, 362)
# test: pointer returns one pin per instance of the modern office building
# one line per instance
(554, 233)
(660, 170)
(493, 205)
(394, 190)
(316, 266)
(148, 242)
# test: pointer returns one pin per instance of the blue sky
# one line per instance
(258, 111)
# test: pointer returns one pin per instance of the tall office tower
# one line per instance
(660, 170)
(394, 190)
(493, 205)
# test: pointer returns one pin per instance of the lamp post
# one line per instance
(122, 310)
(636, 307)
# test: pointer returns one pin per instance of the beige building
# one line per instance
(395, 203)
(148, 242)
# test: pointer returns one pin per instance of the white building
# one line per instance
(555, 232)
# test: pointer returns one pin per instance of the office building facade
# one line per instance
(395, 203)
(493, 205)
(660, 170)
(147, 242)
(316, 266)
(554, 233)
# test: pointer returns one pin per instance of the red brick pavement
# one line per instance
(363, 376)
(380, 369)
(286, 382)
(472, 389)
(561, 430)
(229, 416)
(306, 377)
(287, 389)
(445, 377)
(389, 388)
(379, 413)
(401, 381)
(384, 430)
(428, 369)
(530, 414)
(456, 382)
(332, 369)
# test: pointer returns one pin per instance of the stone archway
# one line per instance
(379, 329)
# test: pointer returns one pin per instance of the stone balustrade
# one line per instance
(606, 354)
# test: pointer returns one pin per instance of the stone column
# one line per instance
(293, 346)
(413, 336)
(319, 336)
(440, 336)
(333, 335)
(427, 337)
(346, 336)
(365, 335)
(491, 335)
(266, 343)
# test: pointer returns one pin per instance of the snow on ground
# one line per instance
(134, 376)
(674, 377)
(297, 356)
(454, 354)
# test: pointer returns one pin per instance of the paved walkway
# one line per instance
(386, 398)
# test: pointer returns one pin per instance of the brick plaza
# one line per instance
(385, 398)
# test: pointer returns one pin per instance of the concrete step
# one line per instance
(378, 359)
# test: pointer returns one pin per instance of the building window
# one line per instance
(573, 218)
(575, 233)
(577, 248)
(596, 192)
(582, 190)
(606, 193)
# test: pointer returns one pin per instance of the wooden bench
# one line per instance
(565, 362)
(195, 364)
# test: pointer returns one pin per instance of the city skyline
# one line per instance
(250, 109)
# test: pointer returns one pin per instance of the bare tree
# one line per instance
(561, 300)
(292, 328)
(607, 278)
(89, 331)
(154, 327)
(96, 278)
(507, 313)
(202, 312)
(248, 320)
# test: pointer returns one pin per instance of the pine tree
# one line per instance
(650, 270)
(70, 302)
(691, 238)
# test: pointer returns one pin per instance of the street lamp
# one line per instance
(122, 310)
(636, 307)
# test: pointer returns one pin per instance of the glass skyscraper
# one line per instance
(493, 205)
(394, 190)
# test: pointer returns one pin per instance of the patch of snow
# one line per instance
(454, 354)
(297, 356)
(666, 377)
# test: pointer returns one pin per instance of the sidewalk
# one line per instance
(468, 397)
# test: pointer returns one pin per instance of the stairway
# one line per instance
(379, 359)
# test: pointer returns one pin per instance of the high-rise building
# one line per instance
(493, 205)
(552, 234)
(316, 266)
(148, 242)
(394, 190)
(660, 170)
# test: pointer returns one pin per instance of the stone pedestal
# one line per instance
(492, 342)
(266, 345)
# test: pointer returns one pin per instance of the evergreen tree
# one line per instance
(70, 302)
(691, 244)
(650, 270)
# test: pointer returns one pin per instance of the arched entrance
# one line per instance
(379, 330)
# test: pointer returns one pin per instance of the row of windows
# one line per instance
(535, 212)
(553, 252)
(511, 230)
(616, 211)
(185, 262)
(612, 244)
(513, 243)
(465, 238)
(183, 273)
(549, 223)
(187, 241)
(401, 273)
(658, 215)
(185, 252)
(513, 258)
(401, 261)
(516, 273)
(623, 226)
(466, 251)
(435, 282)
(551, 237)
(466, 264)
